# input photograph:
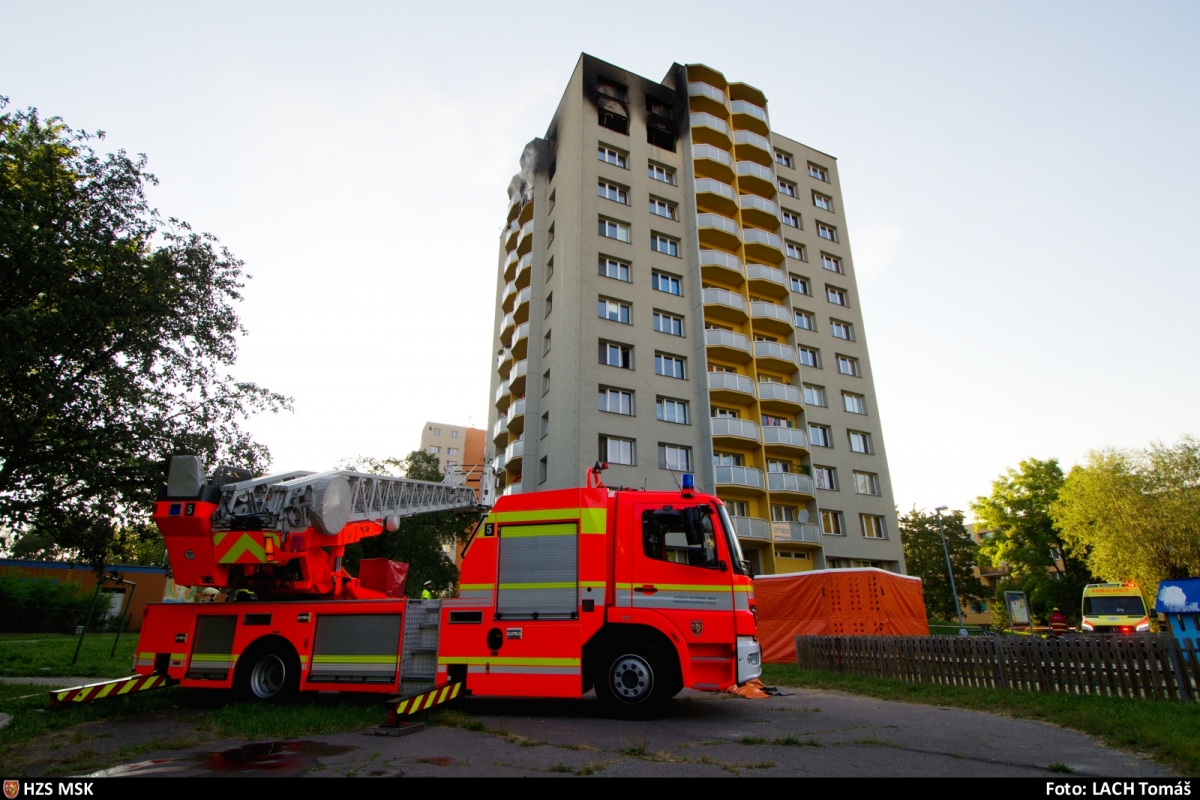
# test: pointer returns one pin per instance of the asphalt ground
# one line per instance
(805, 733)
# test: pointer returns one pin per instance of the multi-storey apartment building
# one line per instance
(676, 293)
(456, 446)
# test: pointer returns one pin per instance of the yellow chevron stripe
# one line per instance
(400, 708)
(445, 692)
(454, 693)
(104, 690)
(127, 687)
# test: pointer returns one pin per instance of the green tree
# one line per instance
(1135, 515)
(117, 329)
(924, 558)
(1024, 538)
(419, 540)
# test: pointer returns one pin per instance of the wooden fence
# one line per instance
(1149, 666)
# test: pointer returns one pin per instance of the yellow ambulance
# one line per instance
(1114, 608)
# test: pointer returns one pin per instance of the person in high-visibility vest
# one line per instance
(427, 592)
(1058, 623)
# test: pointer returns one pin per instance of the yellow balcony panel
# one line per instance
(503, 396)
(500, 431)
(510, 235)
(525, 238)
(744, 91)
(790, 483)
(724, 267)
(521, 312)
(524, 271)
(716, 196)
(784, 442)
(708, 129)
(750, 116)
(509, 296)
(732, 428)
(701, 73)
(504, 362)
(759, 211)
(510, 266)
(770, 317)
(730, 388)
(513, 455)
(516, 379)
(520, 343)
(774, 355)
(712, 162)
(756, 178)
(779, 398)
(739, 481)
(766, 280)
(750, 146)
(526, 213)
(705, 97)
(724, 305)
(728, 345)
(718, 231)
(763, 246)
(507, 324)
(516, 417)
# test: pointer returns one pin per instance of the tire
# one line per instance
(267, 672)
(634, 680)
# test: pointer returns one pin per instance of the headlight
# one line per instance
(1145, 626)
(1087, 626)
(752, 659)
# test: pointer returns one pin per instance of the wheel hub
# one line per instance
(268, 677)
(632, 678)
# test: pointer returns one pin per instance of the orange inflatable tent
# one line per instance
(845, 602)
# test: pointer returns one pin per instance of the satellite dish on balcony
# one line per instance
(804, 515)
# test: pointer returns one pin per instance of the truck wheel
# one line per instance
(268, 671)
(634, 680)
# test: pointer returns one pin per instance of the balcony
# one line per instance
(510, 265)
(524, 271)
(735, 428)
(750, 116)
(520, 345)
(780, 397)
(739, 478)
(767, 280)
(513, 455)
(756, 178)
(708, 129)
(498, 464)
(504, 363)
(770, 317)
(514, 207)
(526, 213)
(521, 312)
(759, 211)
(806, 532)
(751, 146)
(718, 231)
(525, 238)
(729, 387)
(516, 417)
(503, 396)
(500, 431)
(512, 488)
(724, 305)
(783, 355)
(791, 482)
(763, 245)
(517, 379)
(712, 162)
(717, 196)
(722, 267)
(751, 528)
(510, 235)
(728, 344)
(703, 97)
(508, 295)
(793, 438)
(507, 324)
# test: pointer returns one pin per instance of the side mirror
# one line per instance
(722, 566)
(749, 569)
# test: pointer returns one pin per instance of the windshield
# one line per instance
(735, 549)
(1110, 606)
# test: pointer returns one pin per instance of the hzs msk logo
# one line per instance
(11, 789)
(697, 627)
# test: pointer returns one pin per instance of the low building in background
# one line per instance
(115, 598)
(456, 446)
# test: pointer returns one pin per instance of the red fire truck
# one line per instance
(636, 594)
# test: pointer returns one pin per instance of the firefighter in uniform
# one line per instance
(1058, 623)
(427, 593)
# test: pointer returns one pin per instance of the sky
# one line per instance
(1019, 182)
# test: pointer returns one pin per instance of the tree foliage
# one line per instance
(1025, 539)
(925, 558)
(1135, 515)
(117, 330)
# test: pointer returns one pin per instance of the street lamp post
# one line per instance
(962, 629)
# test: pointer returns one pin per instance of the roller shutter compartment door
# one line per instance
(538, 572)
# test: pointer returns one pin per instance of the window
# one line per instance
(814, 395)
(550, 236)
(796, 251)
(665, 538)
(841, 330)
(831, 263)
(873, 526)
(848, 366)
(669, 410)
(783, 513)
(662, 282)
(616, 355)
(778, 466)
(436, 431)
(613, 90)
(552, 194)
(668, 366)
(675, 457)
(831, 522)
(791, 220)
(801, 285)
(609, 117)
(769, 421)
(866, 483)
(453, 434)
(611, 268)
(549, 303)
(553, 169)
(727, 459)
(737, 508)
(825, 478)
(660, 173)
(660, 107)
(827, 232)
(666, 323)
(800, 554)
(722, 413)
(854, 403)
(549, 269)
(787, 187)
(822, 202)
(836, 296)
(784, 159)
(616, 401)
(451, 451)
(664, 244)
(614, 310)
(818, 172)
(545, 382)
(611, 191)
(860, 442)
(820, 436)
(613, 230)
(616, 451)
(545, 424)
(614, 157)
(543, 469)
(663, 209)
(546, 343)
(435, 450)
(805, 320)
(809, 357)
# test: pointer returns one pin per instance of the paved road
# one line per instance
(832, 734)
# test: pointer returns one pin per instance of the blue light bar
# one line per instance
(689, 482)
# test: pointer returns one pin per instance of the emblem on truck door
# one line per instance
(697, 627)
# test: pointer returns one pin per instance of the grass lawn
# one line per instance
(33, 654)
(1170, 732)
